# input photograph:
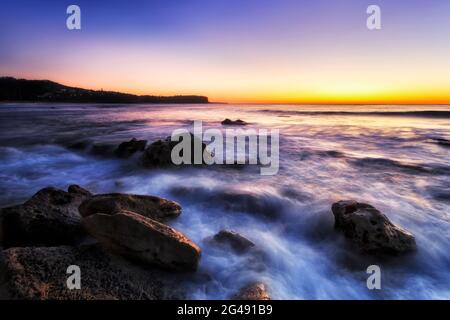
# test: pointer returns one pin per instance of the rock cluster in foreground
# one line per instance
(371, 230)
(137, 253)
(45, 235)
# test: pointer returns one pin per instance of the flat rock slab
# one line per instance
(148, 206)
(144, 239)
(371, 230)
(41, 273)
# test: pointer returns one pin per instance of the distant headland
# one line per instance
(12, 89)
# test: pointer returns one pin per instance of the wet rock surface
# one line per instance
(253, 291)
(149, 206)
(143, 239)
(48, 218)
(41, 273)
(371, 230)
(127, 148)
(234, 240)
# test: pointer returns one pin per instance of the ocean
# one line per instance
(396, 158)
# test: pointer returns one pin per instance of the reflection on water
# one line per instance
(389, 160)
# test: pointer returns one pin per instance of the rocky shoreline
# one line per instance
(126, 249)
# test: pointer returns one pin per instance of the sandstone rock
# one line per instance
(41, 273)
(238, 122)
(149, 206)
(253, 291)
(370, 229)
(159, 153)
(48, 218)
(143, 239)
(128, 148)
(237, 242)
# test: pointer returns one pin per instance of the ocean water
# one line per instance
(388, 156)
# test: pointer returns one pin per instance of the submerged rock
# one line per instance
(149, 206)
(253, 291)
(159, 153)
(442, 142)
(143, 239)
(233, 239)
(262, 204)
(128, 148)
(370, 229)
(41, 273)
(238, 122)
(48, 218)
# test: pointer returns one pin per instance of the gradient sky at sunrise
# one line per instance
(310, 51)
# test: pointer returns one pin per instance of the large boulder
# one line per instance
(159, 153)
(252, 291)
(370, 229)
(234, 240)
(41, 273)
(149, 206)
(128, 148)
(143, 239)
(48, 218)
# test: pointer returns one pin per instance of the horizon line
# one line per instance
(256, 102)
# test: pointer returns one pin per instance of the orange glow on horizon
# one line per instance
(334, 96)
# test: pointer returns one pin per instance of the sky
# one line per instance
(248, 51)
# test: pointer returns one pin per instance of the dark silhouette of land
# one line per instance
(12, 89)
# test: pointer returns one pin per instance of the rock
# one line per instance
(442, 142)
(143, 239)
(159, 153)
(102, 149)
(261, 204)
(41, 273)
(48, 218)
(253, 291)
(370, 229)
(237, 242)
(128, 148)
(238, 122)
(149, 206)
(77, 190)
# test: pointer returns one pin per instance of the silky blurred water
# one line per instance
(387, 156)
